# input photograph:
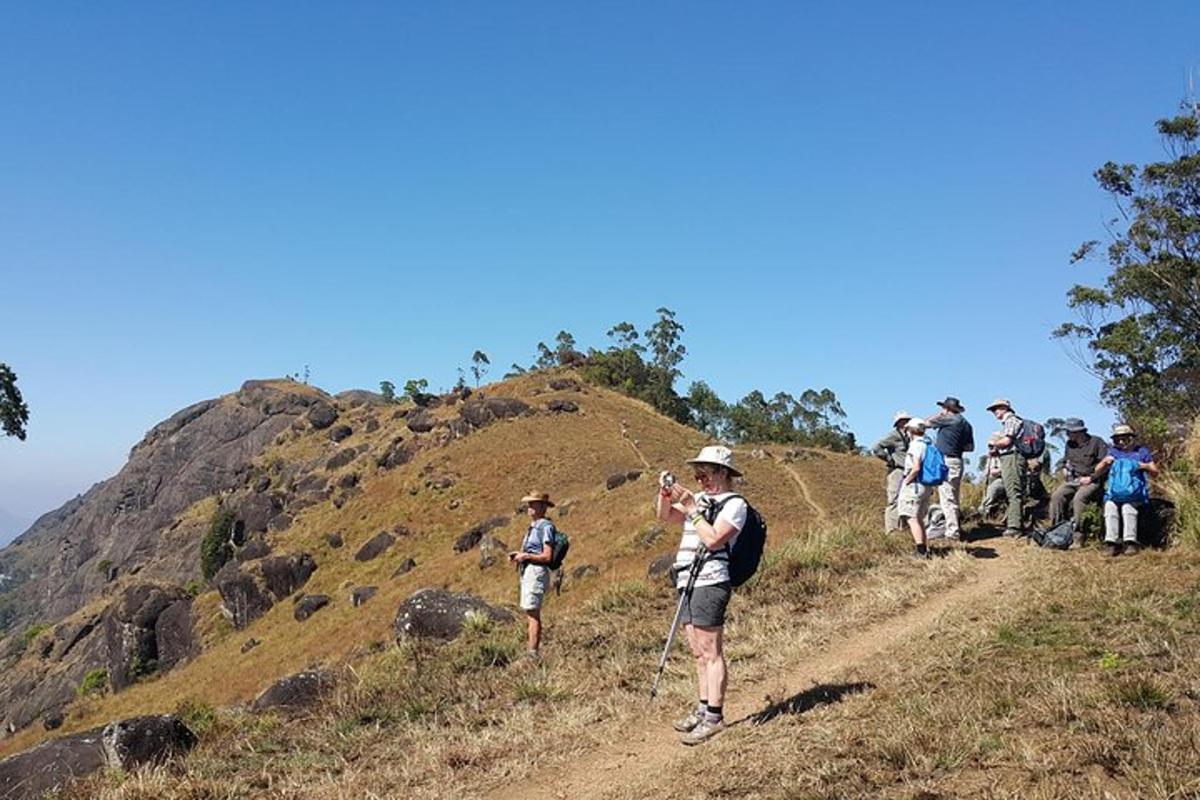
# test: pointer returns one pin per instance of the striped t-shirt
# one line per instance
(716, 568)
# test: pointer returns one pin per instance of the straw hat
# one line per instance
(538, 497)
(1122, 430)
(1000, 401)
(719, 455)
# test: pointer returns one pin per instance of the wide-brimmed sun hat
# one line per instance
(1000, 401)
(916, 424)
(901, 416)
(538, 497)
(1122, 430)
(952, 404)
(716, 454)
(1074, 425)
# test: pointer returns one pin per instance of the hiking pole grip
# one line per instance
(693, 572)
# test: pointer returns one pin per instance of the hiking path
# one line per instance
(636, 756)
(805, 493)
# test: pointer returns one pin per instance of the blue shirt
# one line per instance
(541, 533)
(1140, 455)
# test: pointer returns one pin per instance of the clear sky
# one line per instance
(877, 197)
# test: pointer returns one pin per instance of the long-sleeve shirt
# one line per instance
(891, 449)
(955, 435)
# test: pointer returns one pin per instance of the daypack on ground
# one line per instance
(1127, 483)
(1059, 537)
(1031, 439)
(933, 466)
(746, 553)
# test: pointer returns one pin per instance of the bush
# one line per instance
(95, 682)
(1182, 484)
(104, 566)
(32, 632)
(215, 549)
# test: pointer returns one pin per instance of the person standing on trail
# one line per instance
(1012, 464)
(1084, 453)
(711, 519)
(954, 438)
(914, 495)
(1127, 489)
(533, 559)
(890, 450)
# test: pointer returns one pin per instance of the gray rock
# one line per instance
(584, 571)
(399, 453)
(661, 566)
(563, 384)
(296, 692)
(69, 634)
(375, 547)
(334, 540)
(341, 458)
(481, 412)
(356, 398)
(362, 594)
(340, 433)
(439, 614)
(310, 483)
(650, 535)
(562, 406)
(633, 474)
(249, 591)
(132, 743)
(130, 631)
(256, 512)
(249, 645)
(175, 635)
(262, 484)
(616, 480)
(406, 566)
(472, 536)
(348, 481)
(322, 415)
(255, 548)
(372, 425)
(421, 422)
(308, 605)
(53, 720)
(492, 551)
(283, 575)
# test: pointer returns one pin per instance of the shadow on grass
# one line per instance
(820, 695)
(982, 552)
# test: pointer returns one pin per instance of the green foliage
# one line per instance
(193, 587)
(198, 715)
(104, 566)
(33, 632)
(1141, 693)
(14, 414)
(1182, 484)
(1140, 332)
(813, 420)
(388, 390)
(479, 365)
(215, 548)
(414, 390)
(94, 682)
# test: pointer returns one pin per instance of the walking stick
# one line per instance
(693, 571)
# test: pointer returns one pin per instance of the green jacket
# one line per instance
(891, 449)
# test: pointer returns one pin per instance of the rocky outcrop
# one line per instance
(296, 692)
(362, 594)
(483, 411)
(322, 415)
(248, 591)
(340, 433)
(132, 633)
(438, 614)
(400, 452)
(124, 745)
(308, 605)
(562, 406)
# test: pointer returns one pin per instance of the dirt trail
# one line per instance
(818, 509)
(653, 747)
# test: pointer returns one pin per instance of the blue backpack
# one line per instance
(933, 466)
(1127, 483)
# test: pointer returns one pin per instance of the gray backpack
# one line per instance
(1059, 537)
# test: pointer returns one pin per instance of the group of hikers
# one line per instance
(1091, 471)
(723, 535)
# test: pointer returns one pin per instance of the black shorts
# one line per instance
(706, 607)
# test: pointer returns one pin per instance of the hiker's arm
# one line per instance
(665, 509)
(716, 535)
(1150, 467)
(1102, 468)
(883, 448)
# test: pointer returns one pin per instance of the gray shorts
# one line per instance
(706, 608)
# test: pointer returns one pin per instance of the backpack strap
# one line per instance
(711, 518)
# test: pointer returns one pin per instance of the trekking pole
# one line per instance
(693, 572)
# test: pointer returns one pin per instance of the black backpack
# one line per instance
(1031, 439)
(746, 553)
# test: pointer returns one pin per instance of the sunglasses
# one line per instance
(703, 475)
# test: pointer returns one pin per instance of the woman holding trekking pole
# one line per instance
(711, 519)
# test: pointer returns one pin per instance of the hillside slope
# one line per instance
(341, 471)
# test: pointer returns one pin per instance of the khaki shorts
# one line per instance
(914, 501)
(534, 581)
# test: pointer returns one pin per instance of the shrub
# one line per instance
(1182, 484)
(32, 632)
(104, 566)
(198, 715)
(215, 549)
(95, 682)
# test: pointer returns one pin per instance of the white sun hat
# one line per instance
(716, 454)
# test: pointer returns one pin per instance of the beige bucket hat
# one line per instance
(901, 416)
(716, 454)
(538, 497)
(1122, 430)
(1000, 401)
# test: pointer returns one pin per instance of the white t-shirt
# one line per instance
(916, 452)
(716, 567)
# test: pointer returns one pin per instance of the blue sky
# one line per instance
(875, 197)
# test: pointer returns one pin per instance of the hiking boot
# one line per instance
(704, 731)
(1112, 549)
(688, 723)
(1132, 548)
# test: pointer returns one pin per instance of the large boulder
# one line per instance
(362, 594)
(248, 591)
(421, 422)
(124, 745)
(400, 452)
(439, 614)
(296, 692)
(283, 575)
(71, 633)
(483, 411)
(258, 510)
(492, 551)
(131, 633)
(322, 415)
(472, 537)
(375, 547)
(308, 605)
(175, 634)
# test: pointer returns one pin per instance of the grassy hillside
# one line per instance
(568, 454)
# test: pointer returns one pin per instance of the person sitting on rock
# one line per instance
(533, 559)
(1127, 489)
(711, 519)
(1084, 453)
